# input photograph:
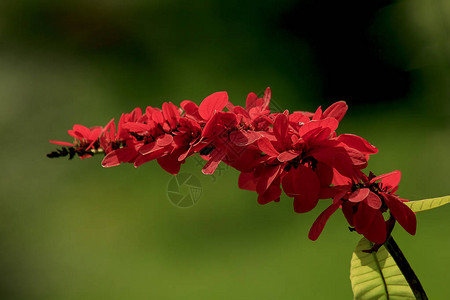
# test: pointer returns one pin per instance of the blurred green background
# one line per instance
(75, 230)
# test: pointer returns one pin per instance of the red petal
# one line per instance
(247, 181)
(110, 129)
(121, 133)
(359, 195)
(364, 216)
(93, 136)
(230, 106)
(111, 160)
(150, 148)
(343, 191)
(321, 220)
(171, 114)
(325, 174)
(244, 138)
(114, 158)
(318, 114)
(311, 134)
(266, 99)
(212, 104)
(402, 213)
(62, 143)
(336, 110)
(331, 192)
(273, 193)
(155, 114)
(135, 114)
(288, 155)
(376, 232)
(95, 132)
(228, 119)
(288, 183)
(164, 140)
(266, 146)
(189, 107)
(298, 118)
(358, 159)
(240, 110)
(170, 164)
(211, 127)
(389, 180)
(339, 179)
(306, 187)
(74, 134)
(243, 159)
(344, 164)
(266, 178)
(326, 123)
(82, 130)
(251, 101)
(319, 136)
(373, 200)
(325, 154)
(216, 157)
(357, 143)
(155, 154)
(280, 128)
(185, 154)
(348, 210)
(136, 127)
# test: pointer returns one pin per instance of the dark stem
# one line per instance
(406, 269)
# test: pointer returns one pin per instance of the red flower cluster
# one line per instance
(363, 202)
(299, 153)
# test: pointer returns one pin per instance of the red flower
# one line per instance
(215, 138)
(158, 138)
(215, 124)
(83, 136)
(120, 146)
(228, 136)
(363, 204)
(158, 134)
(210, 105)
(85, 140)
(252, 122)
(304, 154)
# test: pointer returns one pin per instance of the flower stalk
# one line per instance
(404, 266)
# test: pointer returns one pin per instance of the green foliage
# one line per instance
(376, 275)
(427, 204)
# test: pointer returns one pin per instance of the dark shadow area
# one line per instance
(346, 51)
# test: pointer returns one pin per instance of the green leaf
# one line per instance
(427, 204)
(376, 275)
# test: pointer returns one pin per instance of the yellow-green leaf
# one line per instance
(427, 204)
(376, 275)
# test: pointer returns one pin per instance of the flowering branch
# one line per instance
(299, 153)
